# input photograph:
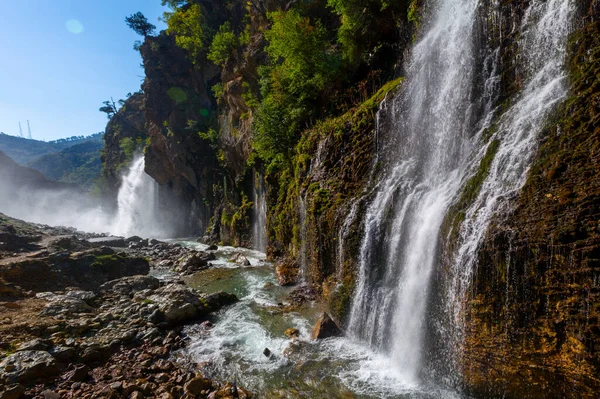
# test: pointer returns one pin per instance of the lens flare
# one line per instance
(74, 26)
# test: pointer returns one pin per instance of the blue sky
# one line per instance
(58, 79)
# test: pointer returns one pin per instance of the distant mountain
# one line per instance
(24, 151)
(75, 159)
(79, 164)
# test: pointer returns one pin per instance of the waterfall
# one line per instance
(435, 127)
(545, 30)
(303, 247)
(138, 212)
(260, 214)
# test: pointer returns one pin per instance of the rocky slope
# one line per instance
(79, 320)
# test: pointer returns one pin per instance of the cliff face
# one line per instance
(178, 107)
(125, 134)
(533, 314)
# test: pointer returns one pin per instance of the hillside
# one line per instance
(74, 160)
(79, 164)
(24, 151)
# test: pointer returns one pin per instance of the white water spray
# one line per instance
(138, 212)
(431, 125)
(260, 214)
(544, 30)
(434, 146)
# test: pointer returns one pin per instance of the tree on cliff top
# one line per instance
(139, 23)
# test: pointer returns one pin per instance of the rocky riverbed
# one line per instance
(81, 318)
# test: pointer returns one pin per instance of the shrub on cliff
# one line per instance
(301, 63)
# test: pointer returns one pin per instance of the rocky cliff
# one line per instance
(125, 134)
(533, 314)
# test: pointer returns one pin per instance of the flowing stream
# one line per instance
(233, 348)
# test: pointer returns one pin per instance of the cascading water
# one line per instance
(138, 212)
(545, 29)
(435, 144)
(260, 214)
(303, 249)
(431, 127)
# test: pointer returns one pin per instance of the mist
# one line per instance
(27, 195)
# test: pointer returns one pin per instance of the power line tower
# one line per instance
(29, 129)
(20, 129)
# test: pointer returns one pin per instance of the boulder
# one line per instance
(64, 305)
(26, 366)
(14, 391)
(130, 285)
(63, 353)
(86, 296)
(36, 344)
(115, 242)
(231, 391)
(292, 333)
(212, 247)
(79, 373)
(195, 386)
(287, 273)
(179, 304)
(194, 261)
(325, 328)
(215, 301)
(240, 259)
(134, 239)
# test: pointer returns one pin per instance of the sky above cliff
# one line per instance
(60, 59)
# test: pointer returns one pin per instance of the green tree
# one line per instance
(139, 23)
(302, 63)
(187, 24)
(109, 108)
(223, 45)
(365, 24)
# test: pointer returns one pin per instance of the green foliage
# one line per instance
(27, 151)
(140, 25)
(130, 146)
(105, 261)
(240, 221)
(109, 108)
(187, 24)
(300, 67)
(249, 97)
(211, 135)
(217, 90)
(413, 12)
(364, 25)
(223, 45)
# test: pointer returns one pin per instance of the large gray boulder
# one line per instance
(130, 285)
(179, 304)
(26, 366)
(194, 262)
